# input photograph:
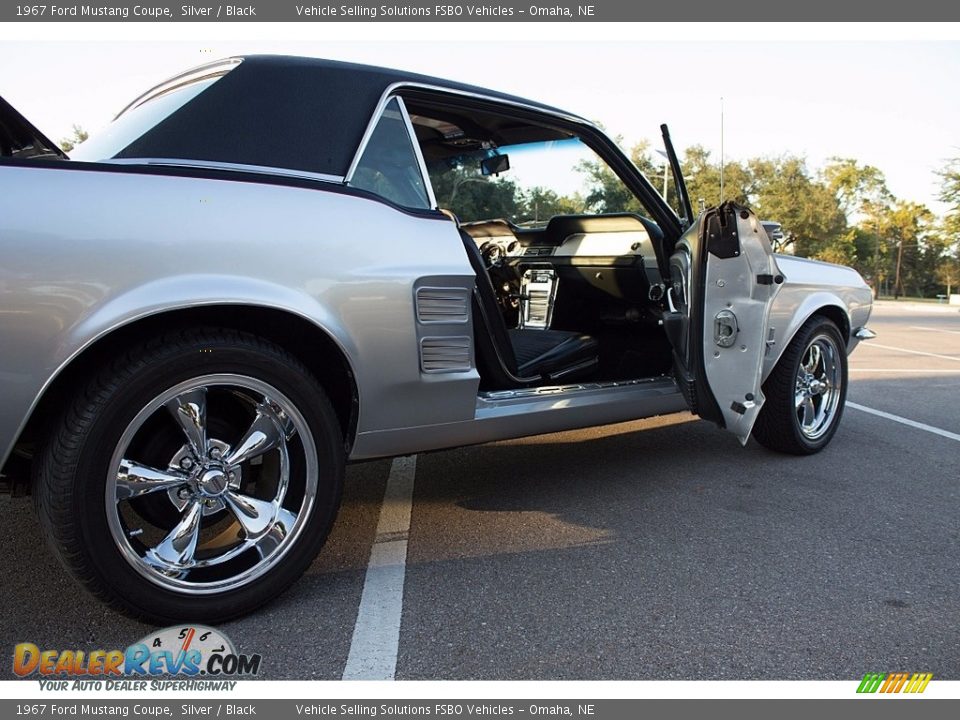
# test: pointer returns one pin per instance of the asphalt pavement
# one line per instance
(657, 549)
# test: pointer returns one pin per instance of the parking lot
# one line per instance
(657, 549)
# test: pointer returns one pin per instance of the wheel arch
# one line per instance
(309, 342)
(839, 317)
(823, 304)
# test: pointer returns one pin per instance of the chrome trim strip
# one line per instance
(561, 114)
(232, 167)
(392, 89)
(527, 393)
(864, 333)
(416, 149)
(592, 362)
(201, 72)
(367, 134)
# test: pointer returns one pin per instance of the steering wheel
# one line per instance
(492, 254)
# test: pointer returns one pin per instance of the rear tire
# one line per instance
(806, 392)
(195, 478)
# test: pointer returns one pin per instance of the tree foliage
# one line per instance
(950, 194)
(77, 136)
(473, 196)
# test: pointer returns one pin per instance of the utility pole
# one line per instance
(876, 261)
(897, 284)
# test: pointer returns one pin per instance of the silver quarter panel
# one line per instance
(809, 286)
(110, 248)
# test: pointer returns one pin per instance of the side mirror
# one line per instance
(495, 164)
(774, 232)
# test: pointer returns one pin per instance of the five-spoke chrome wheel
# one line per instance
(194, 477)
(806, 391)
(211, 482)
(818, 386)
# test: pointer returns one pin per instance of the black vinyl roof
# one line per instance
(298, 113)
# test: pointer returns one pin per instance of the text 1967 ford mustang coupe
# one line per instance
(269, 266)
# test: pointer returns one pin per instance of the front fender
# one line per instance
(794, 306)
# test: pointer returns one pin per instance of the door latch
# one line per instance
(725, 329)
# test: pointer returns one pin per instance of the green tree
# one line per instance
(857, 187)
(863, 196)
(907, 229)
(950, 194)
(813, 221)
(702, 177)
(948, 270)
(473, 196)
(540, 204)
(607, 192)
(77, 136)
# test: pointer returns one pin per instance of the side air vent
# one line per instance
(442, 305)
(445, 354)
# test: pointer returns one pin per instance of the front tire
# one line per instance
(806, 392)
(195, 478)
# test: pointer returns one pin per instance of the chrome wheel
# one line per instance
(819, 385)
(211, 483)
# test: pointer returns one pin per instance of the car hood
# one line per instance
(805, 270)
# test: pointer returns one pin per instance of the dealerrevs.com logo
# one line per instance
(191, 652)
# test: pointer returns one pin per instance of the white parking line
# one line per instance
(872, 344)
(933, 329)
(901, 371)
(376, 635)
(905, 421)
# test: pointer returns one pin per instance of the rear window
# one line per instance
(136, 122)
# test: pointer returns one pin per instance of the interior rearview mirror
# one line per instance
(495, 164)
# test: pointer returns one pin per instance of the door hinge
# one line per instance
(721, 232)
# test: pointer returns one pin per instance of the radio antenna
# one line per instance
(721, 150)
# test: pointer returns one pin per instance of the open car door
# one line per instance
(723, 279)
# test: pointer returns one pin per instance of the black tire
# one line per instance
(76, 469)
(779, 425)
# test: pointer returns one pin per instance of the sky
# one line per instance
(886, 103)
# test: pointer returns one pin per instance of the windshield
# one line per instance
(546, 178)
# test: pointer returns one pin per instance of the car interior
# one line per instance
(568, 291)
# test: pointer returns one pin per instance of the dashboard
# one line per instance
(570, 236)
(613, 255)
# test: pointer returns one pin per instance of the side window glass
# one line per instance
(389, 165)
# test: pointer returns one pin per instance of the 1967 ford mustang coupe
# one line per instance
(269, 266)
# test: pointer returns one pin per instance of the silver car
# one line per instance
(268, 267)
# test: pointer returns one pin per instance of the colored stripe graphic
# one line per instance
(918, 683)
(894, 683)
